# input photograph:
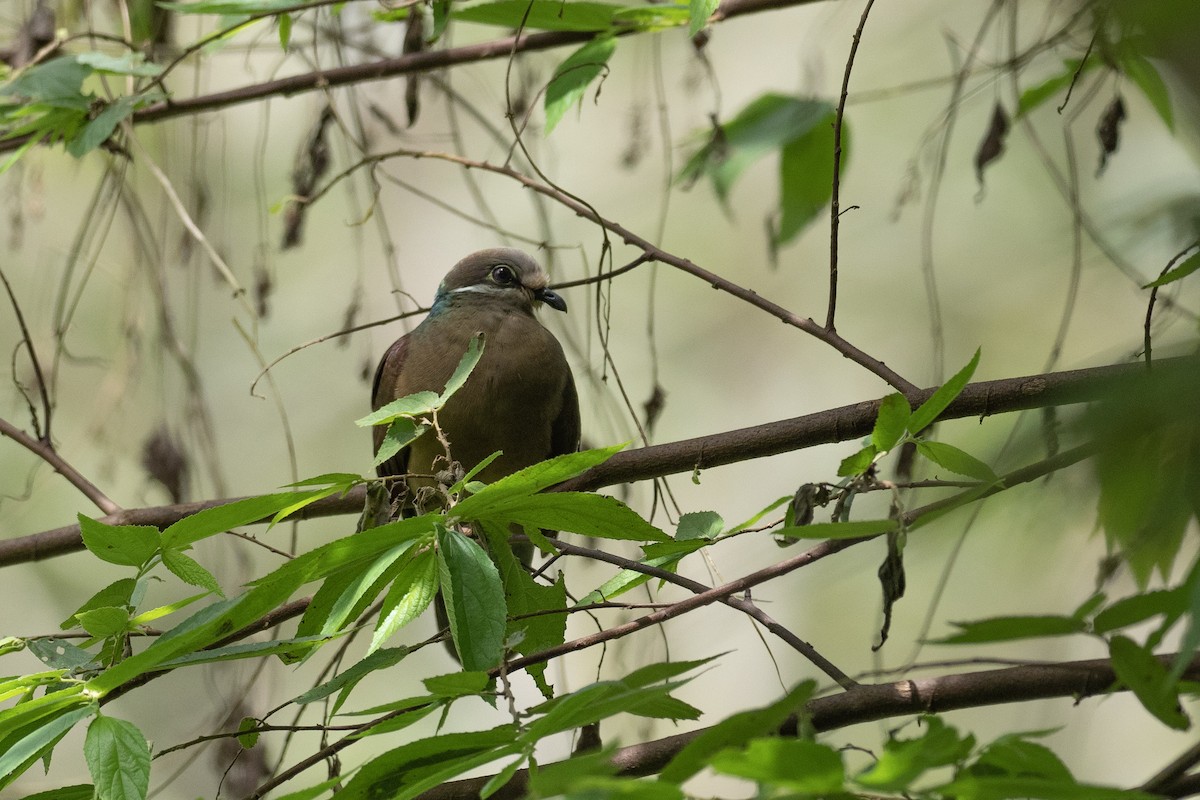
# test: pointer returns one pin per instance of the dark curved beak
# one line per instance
(552, 299)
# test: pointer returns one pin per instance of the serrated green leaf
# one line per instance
(413, 768)
(147, 617)
(1002, 787)
(705, 525)
(1140, 607)
(407, 407)
(572, 77)
(117, 593)
(550, 15)
(285, 30)
(458, 684)
(891, 423)
(501, 778)
(40, 739)
(474, 600)
(411, 592)
(125, 545)
(1148, 679)
(59, 653)
(219, 519)
(79, 791)
(698, 13)
(228, 7)
(235, 652)
(956, 460)
(129, 63)
(188, 570)
(380, 659)
(57, 82)
(628, 579)
(1003, 629)
(248, 736)
(806, 176)
(794, 764)
(858, 463)
(105, 621)
(943, 397)
(466, 365)
(533, 479)
(735, 731)
(1143, 73)
(97, 131)
(578, 512)
(400, 434)
(904, 760)
(1179, 271)
(118, 758)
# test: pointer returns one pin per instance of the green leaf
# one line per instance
(806, 176)
(501, 778)
(706, 525)
(413, 768)
(1145, 75)
(228, 7)
(126, 545)
(1179, 271)
(411, 592)
(60, 654)
(409, 406)
(735, 731)
(578, 512)
(458, 684)
(1140, 607)
(698, 13)
(117, 593)
(466, 365)
(219, 619)
(188, 570)
(219, 519)
(1003, 787)
(79, 791)
(858, 463)
(101, 127)
(474, 600)
(235, 652)
(904, 760)
(400, 434)
(1003, 629)
(528, 603)
(58, 82)
(1034, 96)
(628, 579)
(285, 30)
(128, 63)
(1148, 679)
(118, 757)
(1014, 755)
(18, 755)
(573, 75)
(602, 700)
(794, 764)
(105, 621)
(249, 736)
(944, 396)
(766, 124)
(533, 479)
(550, 15)
(956, 460)
(380, 659)
(892, 422)
(838, 530)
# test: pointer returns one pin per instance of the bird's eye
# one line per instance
(503, 275)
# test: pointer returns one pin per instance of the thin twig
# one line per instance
(835, 213)
(48, 454)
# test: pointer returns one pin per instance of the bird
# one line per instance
(520, 399)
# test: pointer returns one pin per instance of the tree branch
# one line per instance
(44, 451)
(981, 399)
(865, 703)
(419, 62)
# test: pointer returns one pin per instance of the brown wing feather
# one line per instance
(564, 437)
(381, 389)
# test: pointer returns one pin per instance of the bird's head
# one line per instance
(502, 273)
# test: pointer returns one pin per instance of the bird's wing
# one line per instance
(381, 390)
(564, 436)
